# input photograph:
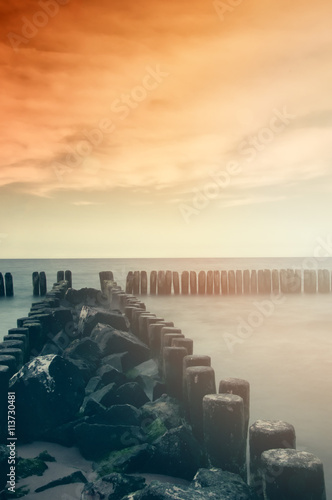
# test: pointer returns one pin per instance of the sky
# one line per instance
(164, 129)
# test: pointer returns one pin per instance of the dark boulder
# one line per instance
(137, 458)
(132, 394)
(75, 477)
(113, 341)
(105, 396)
(116, 360)
(93, 385)
(165, 491)
(87, 296)
(165, 409)
(230, 486)
(90, 317)
(110, 375)
(113, 487)
(49, 392)
(85, 354)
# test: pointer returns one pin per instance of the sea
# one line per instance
(281, 344)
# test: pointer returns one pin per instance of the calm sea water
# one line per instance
(284, 348)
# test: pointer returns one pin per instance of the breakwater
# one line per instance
(231, 282)
(161, 361)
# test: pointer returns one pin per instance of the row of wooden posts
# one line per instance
(263, 281)
(39, 283)
(275, 465)
(6, 285)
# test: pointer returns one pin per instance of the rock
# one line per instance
(4, 455)
(166, 491)
(84, 349)
(166, 409)
(177, 453)
(146, 375)
(63, 319)
(113, 341)
(132, 394)
(27, 467)
(92, 408)
(88, 296)
(75, 477)
(114, 486)
(230, 486)
(138, 458)
(52, 385)
(97, 440)
(46, 457)
(109, 375)
(90, 317)
(93, 385)
(115, 360)
(105, 396)
(50, 348)
(123, 415)
(64, 434)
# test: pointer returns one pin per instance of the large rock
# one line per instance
(49, 392)
(132, 394)
(104, 396)
(116, 415)
(177, 453)
(165, 409)
(113, 487)
(85, 354)
(166, 491)
(137, 458)
(97, 440)
(113, 341)
(90, 317)
(88, 296)
(230, 486)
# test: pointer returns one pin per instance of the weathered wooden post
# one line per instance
(283, 281)
(224, 283)
(168, 282)
(291, 475)
(9, 285)
(267, 435)
(201, 282)
(223, 423)
(173, 363)
(142, 326)
(216, 282)
(253, 282)
(144, 283)
(35, 335)
(60, 276)
(35, 284)
(161, 283)
(310, 281)
(238, 275)
(69, 278)
(2, 286)
(176, 283)
(167, 338)
(231, 282)
(294, 281)
(246, 282)
(209, 283)
(17, 353)
(188, 361)
(323, 281)
(42, 284)
(4, 400)
(136, 283)
(267, 281)
(200, 381)
(153, 282)
(261, 281)
(129, 282)
(185, 283)
(241, 388)
(275, 282)
(188, 344)
(154, 332)
(10, 362)
(193, 283)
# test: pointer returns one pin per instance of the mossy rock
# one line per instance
(27, 467)
(155, 430)
(129, 460)
(46, 457)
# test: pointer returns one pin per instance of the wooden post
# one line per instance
(42, 283)
(173, 363)
(200, 381)
(298, 281)
(188, 361)
(310, 281)
(69, 278)
(176, 283)
(188, 344)
(136, 283)
(268, 281)
(224, 283)
(129, 282)
(10, 362)
(9, 285)
(267, 435)
(291, 474)
(193, 283)
(185, 283)
(153, 282)
(2, 286)
(323, 281)
(261, 281)
(241, 388)
(224, 435)
(253, 284)
(168, 282)
(144, 283)
(154, 332)
(161, 282)
(239, 289)
(275, 282)
(231, 282)
(35, 284)
(201, 282)
(4, 400)
(60, 276)
(246, 282)
(216, 282)
(283, 281)
(209, 283)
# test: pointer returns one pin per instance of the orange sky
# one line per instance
(117, 116)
